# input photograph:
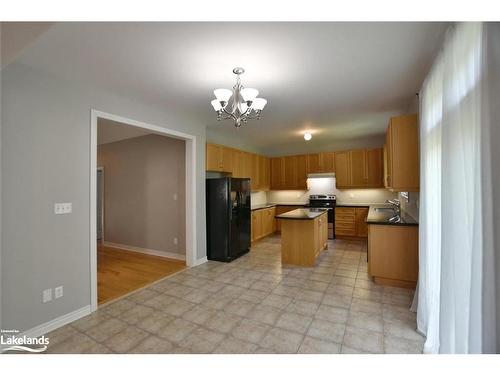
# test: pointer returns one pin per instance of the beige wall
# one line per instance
(141, 177)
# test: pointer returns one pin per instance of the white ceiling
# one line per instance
(341, 80)
(111, 131)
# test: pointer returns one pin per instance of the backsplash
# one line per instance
(412, 206)
(258, 197)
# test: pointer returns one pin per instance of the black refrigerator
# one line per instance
(228, 218)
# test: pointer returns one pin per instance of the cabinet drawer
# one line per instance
(345, 232)
(345, 225)
(342, 217)
(345, 210)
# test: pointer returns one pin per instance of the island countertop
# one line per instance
(302, 214)
(380, 214)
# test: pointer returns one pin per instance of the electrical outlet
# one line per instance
(176, 241)
(63, 208)
(47, 295)
(58, 292)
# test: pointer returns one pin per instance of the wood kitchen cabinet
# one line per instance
(218, 158)
(323, 162)
(277, 171)
(301, 172)
(255, 172)
(289, 173)
(361, 226)
(351, 221)
(359, 169)
(402, 171)
(393, 255)
(281, 210)
(263, 223)
(264, 173)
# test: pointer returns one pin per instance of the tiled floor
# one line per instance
(255, 305)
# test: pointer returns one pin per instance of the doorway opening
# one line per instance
(143, 222)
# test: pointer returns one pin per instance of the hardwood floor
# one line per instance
(120, 272)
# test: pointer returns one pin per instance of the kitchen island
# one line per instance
(304, 234)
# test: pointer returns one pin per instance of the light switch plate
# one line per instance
(63, 208)
(58, 292)
(47, 295)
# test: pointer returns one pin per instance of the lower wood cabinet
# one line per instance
(281, 210)
(263, 223)
(393, 255)
(351, 221)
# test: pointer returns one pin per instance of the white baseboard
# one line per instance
(197, 262)
(163, 254)
(44, 328)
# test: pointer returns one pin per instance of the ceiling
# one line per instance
(342, 81)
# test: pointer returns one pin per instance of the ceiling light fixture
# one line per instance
(245, 104)
(307, 136)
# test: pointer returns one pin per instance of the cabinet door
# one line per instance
(327, 162)
(213, 157)
(388, 156)
(313, 163)
(385, 167)
(374, 168)
(247, 164)
(269, 218)
(226, 159)
(342, 173)
(264, 178)
(290, 175)
(256, 224)
(255, 175)
(237, 163)
(301, 172)
(357, 167)
(276, 173)
(361, 225)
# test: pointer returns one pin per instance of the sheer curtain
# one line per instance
(456, 238)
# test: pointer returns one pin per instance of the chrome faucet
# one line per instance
(396, 204)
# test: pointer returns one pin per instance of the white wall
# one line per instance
(46, 159)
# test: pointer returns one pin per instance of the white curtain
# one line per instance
(456, 237)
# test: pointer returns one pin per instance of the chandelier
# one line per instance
(244, 106)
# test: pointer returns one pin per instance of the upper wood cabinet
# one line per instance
(218, 158)
(240, 164)
(342, 169)
(322, 162)
(402, 154)
(277, 171)
(357, 169)
(289, 173)
(301, 172)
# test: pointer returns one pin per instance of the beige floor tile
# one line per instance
(136, 314)
(118, 307)
(90, 321)
(282, 341)
(126, 339)
(178, 291)
(294, 322)
(202, 340)
(239, 307)
(365, 320)
(277, 301)
(303, 307)
(286, 290)
(398, 345)
(155, 321)
(178, 307)
(337, 300)
(264, 314)
(74, 344)
(61, 334)
(364, 339)
(217, 302)
(309, 296)
(366, 306)
(251, 331)
(332, 314)
(312, 345)
(177, 330)
(106, 329)
(153, 345)
(231, 345)
(160, 302)
(403, 329)
(326, 330)
(143, 295)
(348, 350)
(222, 322)
(200, 314)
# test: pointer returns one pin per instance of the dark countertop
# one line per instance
(382, 217)
(353, 204)
(268, 205)
(261, 206)
(302, 214)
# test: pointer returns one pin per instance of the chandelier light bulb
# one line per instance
(307, 136)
